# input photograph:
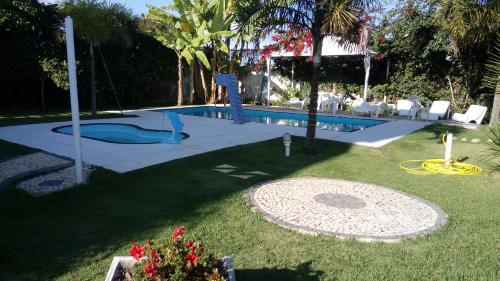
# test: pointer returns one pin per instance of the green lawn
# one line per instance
(73, 235)
(15, 117)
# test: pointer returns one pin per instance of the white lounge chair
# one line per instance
(407, 108)
(474, 113)
(291, 102)
(438, 110)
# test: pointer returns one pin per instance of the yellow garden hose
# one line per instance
(438, 166)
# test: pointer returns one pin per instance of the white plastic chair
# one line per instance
(333, 104)
(323, 102)
(438, 110)
(474, 113)
(304, 103)
(361, 107)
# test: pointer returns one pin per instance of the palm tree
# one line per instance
(320, 17)
(469, 22)
(183, 32)
(471, 25)
(97, 22)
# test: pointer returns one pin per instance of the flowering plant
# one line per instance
(177, 259)
(294, 40)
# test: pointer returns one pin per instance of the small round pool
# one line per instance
(120, 133)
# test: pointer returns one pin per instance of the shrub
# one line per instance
(494, 149)
(177, 259)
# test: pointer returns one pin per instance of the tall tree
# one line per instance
(472, 27)
(320, 17)
(97, 22)
(492, 81)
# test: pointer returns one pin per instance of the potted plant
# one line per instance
(177, 258)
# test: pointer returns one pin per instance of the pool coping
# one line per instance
(55, 130)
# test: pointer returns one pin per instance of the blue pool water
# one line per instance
(333, 123)
(120, 133)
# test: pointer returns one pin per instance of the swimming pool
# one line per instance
(333, 123)
(120, 133)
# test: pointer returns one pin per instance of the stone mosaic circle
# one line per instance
(346, 209)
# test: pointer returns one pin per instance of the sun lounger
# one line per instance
(474, 113)
(292, 102)
(407, 108)
(438, 110)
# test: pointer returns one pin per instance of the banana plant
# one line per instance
(219, 29)
(183, 32)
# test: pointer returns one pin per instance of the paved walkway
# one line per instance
(206, 134)
(346, 209)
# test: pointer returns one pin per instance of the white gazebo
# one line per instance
(331, 47)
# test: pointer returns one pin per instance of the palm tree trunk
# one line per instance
(213, 87)
(93, 95)
(191, 82)
(309, 143)
(495, 110)
(179, 80)
(203, 82)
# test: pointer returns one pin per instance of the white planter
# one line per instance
(127, 262)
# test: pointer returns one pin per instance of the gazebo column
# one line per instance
(366, 61)
(269, 61)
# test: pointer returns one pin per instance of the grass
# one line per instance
(15, 117)
(73, 235)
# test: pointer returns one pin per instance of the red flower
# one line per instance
(192, 257)
(149, 242)
(178, 232)
(275, 38)
(154, 256)
(137, 251)
(379, 56)
(189, 244)
(150, 270)
(409, 9)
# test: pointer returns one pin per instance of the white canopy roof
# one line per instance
(331, 47)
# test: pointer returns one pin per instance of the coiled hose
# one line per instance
(438, 166)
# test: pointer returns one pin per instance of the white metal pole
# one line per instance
(268, 80)
(447, 152)
(73, 90)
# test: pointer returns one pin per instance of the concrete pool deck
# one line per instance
(206, 134)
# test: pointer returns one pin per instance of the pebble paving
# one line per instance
(56, 181)
(346, 209)
(30, 162)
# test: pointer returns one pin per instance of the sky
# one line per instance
(137, 6)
